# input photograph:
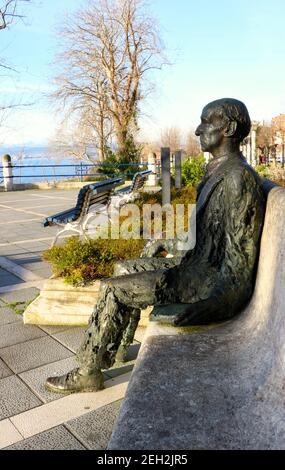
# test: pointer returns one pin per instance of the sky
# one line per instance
(216, 48)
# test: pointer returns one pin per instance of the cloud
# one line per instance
(35, 127)
(28, 87)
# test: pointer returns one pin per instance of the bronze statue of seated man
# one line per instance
(215, 279)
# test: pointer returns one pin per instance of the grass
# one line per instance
(19, 307)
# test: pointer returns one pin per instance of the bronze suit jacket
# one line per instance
(229, 220)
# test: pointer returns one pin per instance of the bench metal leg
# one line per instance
(66, 229)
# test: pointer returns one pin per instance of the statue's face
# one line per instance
(211, 130)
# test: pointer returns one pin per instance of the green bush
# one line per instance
(263, 170)
(193, 171)
(81, 262)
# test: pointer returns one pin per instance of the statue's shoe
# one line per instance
(74, 382)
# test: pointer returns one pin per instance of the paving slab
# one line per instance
(15, 333)
(10, 279)
(8, 433)
(4, 370)
(52, 329)
(45, 272)
(124, 367)
(58, 438)
(72, 338)
(15, 397)
(22, 295)
(8, 248)
(32, 264)
(119, 369)
(17, 270)
(94, 429)
(35, 353)
(7, 315)
(69, 407)
(26, 257)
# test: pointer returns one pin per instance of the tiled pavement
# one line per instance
(30, 416)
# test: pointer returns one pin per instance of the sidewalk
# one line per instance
(30, 416)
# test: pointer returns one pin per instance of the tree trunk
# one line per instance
(122, 136)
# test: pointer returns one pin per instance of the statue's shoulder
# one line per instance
(240, 174)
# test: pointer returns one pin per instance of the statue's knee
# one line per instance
(104, 284)
(123, 267)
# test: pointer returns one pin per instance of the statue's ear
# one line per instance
(231, 129)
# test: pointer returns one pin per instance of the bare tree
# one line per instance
(171, 137)
(109, 47)
(192, 144)
(265, 137)
(85, 138)
(9, 12)
(88, 122)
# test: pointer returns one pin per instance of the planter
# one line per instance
(62, 304)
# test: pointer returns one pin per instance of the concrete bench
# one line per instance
(96, 196)
(221, 386)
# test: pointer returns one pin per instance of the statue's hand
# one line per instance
(152, 248)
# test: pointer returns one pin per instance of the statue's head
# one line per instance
(223, 119)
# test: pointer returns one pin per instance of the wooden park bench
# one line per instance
(130, 193)
(95, 196)
(93, 200)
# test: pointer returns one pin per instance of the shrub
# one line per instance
(263, 170)
(81, 262)
(186, 195)
(273, 172)
(193, 171)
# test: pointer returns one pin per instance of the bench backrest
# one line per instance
(95, 194)
(139, 180)
(90, 195)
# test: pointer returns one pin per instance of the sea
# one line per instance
(35, 164)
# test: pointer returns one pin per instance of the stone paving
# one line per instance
(30, 416)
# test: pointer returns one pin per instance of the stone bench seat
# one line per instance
(219, 386)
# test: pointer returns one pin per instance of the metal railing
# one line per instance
(81, 171)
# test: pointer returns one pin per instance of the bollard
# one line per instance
(152, 179)
(178, 175)
(165, 175)
(7, 173)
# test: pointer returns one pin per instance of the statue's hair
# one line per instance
(233, 110)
